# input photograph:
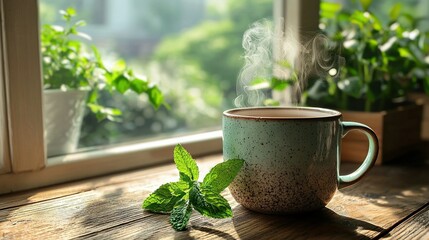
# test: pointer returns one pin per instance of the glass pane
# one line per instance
(191, 50)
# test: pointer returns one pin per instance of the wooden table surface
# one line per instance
(392, 202)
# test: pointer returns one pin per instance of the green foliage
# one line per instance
(222, 175)
(365, 4)
(276, 83)
(181, 197)
(214, 47)
(69, 64)
(384, 61)
(165, 197)
(209, 204)
(185, 163)
(180, 215)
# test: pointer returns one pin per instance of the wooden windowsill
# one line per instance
(386, 203)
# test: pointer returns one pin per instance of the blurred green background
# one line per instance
(191, 48)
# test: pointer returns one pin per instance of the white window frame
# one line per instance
(25, 163)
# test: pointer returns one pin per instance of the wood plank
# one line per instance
(387, 195)
(374, 120)
(110, 160)
(355, 151)
(415, 227)
(355, 144)
(47, 193)
(90, 211)
(398, 132)
(423, 99)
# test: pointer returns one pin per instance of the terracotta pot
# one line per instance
(398, 132)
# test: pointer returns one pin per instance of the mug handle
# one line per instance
(371, 157)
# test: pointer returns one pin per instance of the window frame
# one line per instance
(4, 147)
(22, 74)
(27, 165)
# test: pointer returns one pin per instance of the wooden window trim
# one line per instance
(4, 143)
(115, 159)
(23, 84)
(299, 20)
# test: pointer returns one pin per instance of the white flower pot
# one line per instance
(63, 113)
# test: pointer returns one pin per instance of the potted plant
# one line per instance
(383, 64)
(73, 77)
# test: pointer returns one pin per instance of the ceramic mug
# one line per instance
(291, 155)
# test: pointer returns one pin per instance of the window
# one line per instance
(190, 48)
(190, 120)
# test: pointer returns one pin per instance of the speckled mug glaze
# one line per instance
(291, 156)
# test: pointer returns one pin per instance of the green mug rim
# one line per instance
(330, 114)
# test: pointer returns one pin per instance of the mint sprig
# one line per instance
(179, 198)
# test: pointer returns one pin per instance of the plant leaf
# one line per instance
(365, 4)
(180, 215)
(329, 10)
(405, 53)
(388, 44)
(92, 98)
(94, 107)
(98, 57)
(165, 197)
(120, 65)
(122, 84)
(84, 35)
(139, 86)
(281, 84)
(395, 11)
(221, 175)
(185, 163)
(155, 97)
(71, 11)
(271, 102)
(209, 204)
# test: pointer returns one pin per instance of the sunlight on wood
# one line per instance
(110, 208)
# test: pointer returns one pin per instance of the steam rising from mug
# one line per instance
(272, 52)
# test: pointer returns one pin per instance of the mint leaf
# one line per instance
(221, 175)
(165, 197)
(185, 163)
(209, 204)
(180, 215)
(180, 198)
(184, 177)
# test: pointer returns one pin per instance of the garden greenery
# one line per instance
(68, 63)
(383, 61)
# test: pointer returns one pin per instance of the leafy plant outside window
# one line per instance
(383, 62)
(68, 63)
